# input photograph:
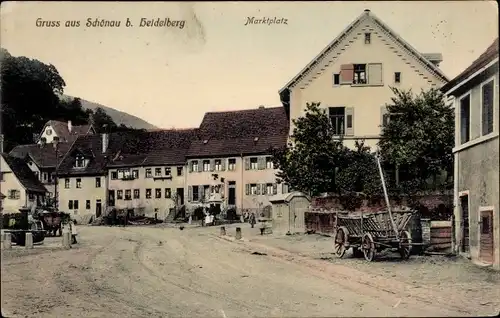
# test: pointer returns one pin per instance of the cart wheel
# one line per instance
(404, 244)
(368, 247)
(339, 245)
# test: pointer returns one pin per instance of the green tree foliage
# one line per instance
(418, 139)
(316, 161)
(30, 93)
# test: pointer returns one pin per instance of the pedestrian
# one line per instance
(252, 220)
(73, 232)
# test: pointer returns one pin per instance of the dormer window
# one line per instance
(80, 161)
(205, 141)
(256, 139)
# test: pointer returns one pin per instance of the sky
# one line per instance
(170, 76)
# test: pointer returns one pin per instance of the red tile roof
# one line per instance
(44, 157)
(251, 131)
(24, 174)
(62, 131)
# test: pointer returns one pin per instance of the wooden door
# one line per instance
(98, 208)
(464, 202)
(486, 237)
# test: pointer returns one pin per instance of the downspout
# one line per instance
(455, 238)
(242, 182)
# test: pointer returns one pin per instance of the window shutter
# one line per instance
(190, 194)
(247, 189)
(190, 164)
(212, 165)
(200, 166)
(346, 73)
(222, 193)
(223, 164)
(275, 189)
(211, 189)
(374, 73)
(349, 118)
(247, 163)
(262, 163)
(201, 192)
(264, 188)
(258, 189)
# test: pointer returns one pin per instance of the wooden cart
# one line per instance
(373, 232)
(368, 233)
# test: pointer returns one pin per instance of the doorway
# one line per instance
(464, 205)
(111, 201)
(180, 196)
(98, 208)
(231, 196)
(486, 237)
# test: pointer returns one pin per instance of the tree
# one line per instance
(102, 122)
(418, 139)
(29, 90)
(309, 162)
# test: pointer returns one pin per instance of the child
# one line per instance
(73, 232)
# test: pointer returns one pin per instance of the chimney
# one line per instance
(70, 126)
(105, 142)
(1, 143)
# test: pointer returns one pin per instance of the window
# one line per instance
(45, 176)
(194, 165)
(98, 182)
(51, 177)
(148, 173)
(31, 197)
(485, 224)
(114, 175)
(254, 163)
(49, 131)
(168, 193)
(78, 183)
(206, 165)
(66, 183)
(135, 174)
(359, 74)
(253, 189)
(269, 163)
(128, 194)
(196, 194)
(206, 192)
(158, 193)
(397, 77)
(14, 194)
(157, 172)
(487, 97)
(80, 161)
(284, 188)
(218, 165)
(87, 204)
(137, 194)
(56, 139)
(231, 164)
(336, 79)
(179, 171)
(368, 38)
(73, 204)
(337, 117)
(465, 119)
(119, 194)
(168, 171)
(148, 193)
(269, 189)
(120, 174)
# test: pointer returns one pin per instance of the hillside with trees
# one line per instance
(32, 93)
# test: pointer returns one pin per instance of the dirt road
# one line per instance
(165, 272)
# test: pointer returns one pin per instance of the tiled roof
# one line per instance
(24, 174)
(62, 131)
(130, 148)
(250, 131)
(44, 157)
(484, 59)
